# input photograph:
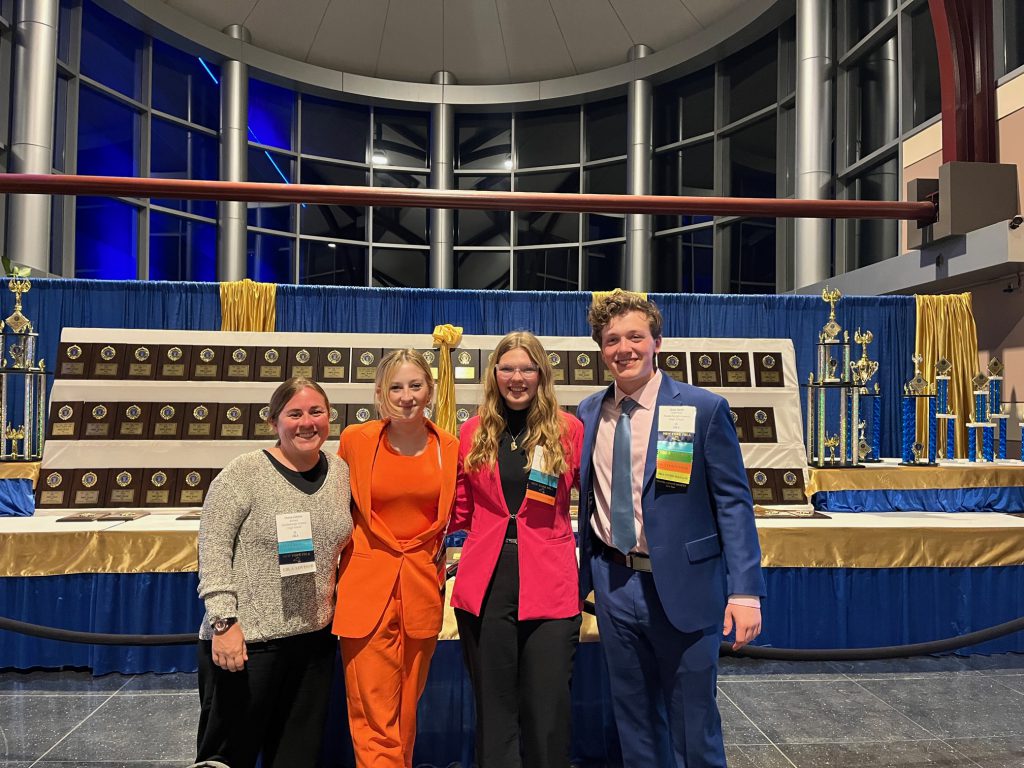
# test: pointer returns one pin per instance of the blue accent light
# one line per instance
(208, 71)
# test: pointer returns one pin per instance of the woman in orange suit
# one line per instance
(389, 611)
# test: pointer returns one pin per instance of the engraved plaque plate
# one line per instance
(705, 368)
(364, 364)
(173, 361)
(337, 421)
(604, 372)
(73, 359)
(165, 421)
(790, 483)
(302, 361)
(192, 486)
(53, 488)
(207, 362)
(271, 363)
(238, 363)
(259, 429)
(65, 421)
(140, 361)
(762, 486)
(87, 487)
(158, 487)
(199, 420)
(466, 364)
(132, 420)
(762, 425)
(582, 367)
(768, 369)
(107, 361)
(332, 364)
(98, 420)
(559, 366)
(123, 487)
(735, 368)
(233, 421)
(673, 365)
(361, 413)
(741, 420)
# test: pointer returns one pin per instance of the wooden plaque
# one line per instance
(165, 421)
(466, 365)
(583, 368)
(559, 366)
(132, 422)
(140, 361)
(123, 488)
(463, 413)
(741, 420)
(173, 362)
(337, 421)
(604, 372)
(239, 363)
(73, 359)
(431, 356)
(199, 421)
(361, 413)
(705, 368)
(158, 487)
(259, 429)
(364, 364)
(232, 421)
(207, 363)
(192, 485)
(53, 489)
(762, 425)
(673, 365)
(735, 367)
(107, 361)
(332, 364)
(65, 421)
(88, 487)
(98, 421)
(768, 369)
(270, 363)
(790, 483)
(762, 486)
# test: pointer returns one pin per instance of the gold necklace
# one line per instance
(515, 438)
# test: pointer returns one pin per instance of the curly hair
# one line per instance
(607, 307)
(544, 424)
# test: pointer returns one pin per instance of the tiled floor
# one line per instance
(920, 712)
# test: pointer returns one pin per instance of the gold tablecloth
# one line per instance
(20, 470)
(891, 476)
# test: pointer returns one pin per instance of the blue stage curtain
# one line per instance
(16, 498)
(892, 320)
(924, 499)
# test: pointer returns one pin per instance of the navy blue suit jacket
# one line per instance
(702, 539)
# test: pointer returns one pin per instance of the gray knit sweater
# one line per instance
(238, 567)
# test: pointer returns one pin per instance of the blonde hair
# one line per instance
(544, 424)
(617, 303)
(386, 371)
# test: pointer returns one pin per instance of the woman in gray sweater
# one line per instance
(273, 527)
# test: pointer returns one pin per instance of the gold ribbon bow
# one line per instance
(445, 338)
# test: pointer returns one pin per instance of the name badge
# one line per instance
(295, 543)
(676, 425)
(540, 485)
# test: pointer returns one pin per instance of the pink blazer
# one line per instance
(548, 573)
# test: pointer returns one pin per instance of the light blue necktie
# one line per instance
(623, 525)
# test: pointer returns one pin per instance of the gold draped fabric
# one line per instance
(248, 306)
(446, 337)
(887, 477)
(945, 328)
(16, 470)
(49, 553)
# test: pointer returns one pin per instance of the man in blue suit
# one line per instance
(667, 542)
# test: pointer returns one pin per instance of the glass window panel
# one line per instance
(400, 268)
(57, 234)
(876, 239)
(106, 239)
(346, 222)
(689, 171)
(333, 129)
(752, 76)
(787, 58)
(271, 111)
(787, 163)
(482, 270)
(405, 226)
(684, 262)
(60, 123)
(873, 106)
(269, 258)
(537, 227)
(107, 135)
(548, 138)
(64, 29)
(751, 153)
(1013, 34)
(183, 87)
(606, 129)
(112, 51)
(685, 108)
(323, 263)
(484, 142)
(751, 256)
(865, 15)
(271, 168)
(604, 180)
(925, 67)
(403, 137)
(605, 267)
(178, 153)
(181, 249)
(474, 227)
(547, 269)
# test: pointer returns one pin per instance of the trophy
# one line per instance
(980, 426)
(996, 413)
(22, 382)
(944, 411)
(916, 388)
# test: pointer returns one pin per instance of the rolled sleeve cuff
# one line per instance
(748, 601)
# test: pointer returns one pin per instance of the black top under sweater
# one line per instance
(310, 481)
(512, 465)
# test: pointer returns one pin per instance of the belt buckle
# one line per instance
(638, 562)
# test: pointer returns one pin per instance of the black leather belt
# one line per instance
(634, 560)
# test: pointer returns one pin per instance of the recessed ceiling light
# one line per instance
(380, 157)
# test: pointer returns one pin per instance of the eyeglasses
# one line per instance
(508, 371)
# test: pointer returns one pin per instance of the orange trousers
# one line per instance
(385, 674)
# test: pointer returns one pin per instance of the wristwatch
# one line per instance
(220, 626)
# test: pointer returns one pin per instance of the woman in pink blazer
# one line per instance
(516, 594)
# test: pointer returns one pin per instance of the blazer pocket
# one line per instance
(702, 549)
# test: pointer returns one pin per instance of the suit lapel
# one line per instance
(668, 394)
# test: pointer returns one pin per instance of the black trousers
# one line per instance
(276, 705)
(521, 672)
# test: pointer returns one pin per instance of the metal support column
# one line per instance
(639, 150)
(442, 177)
(234, 147)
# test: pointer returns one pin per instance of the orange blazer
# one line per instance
(376, 560)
